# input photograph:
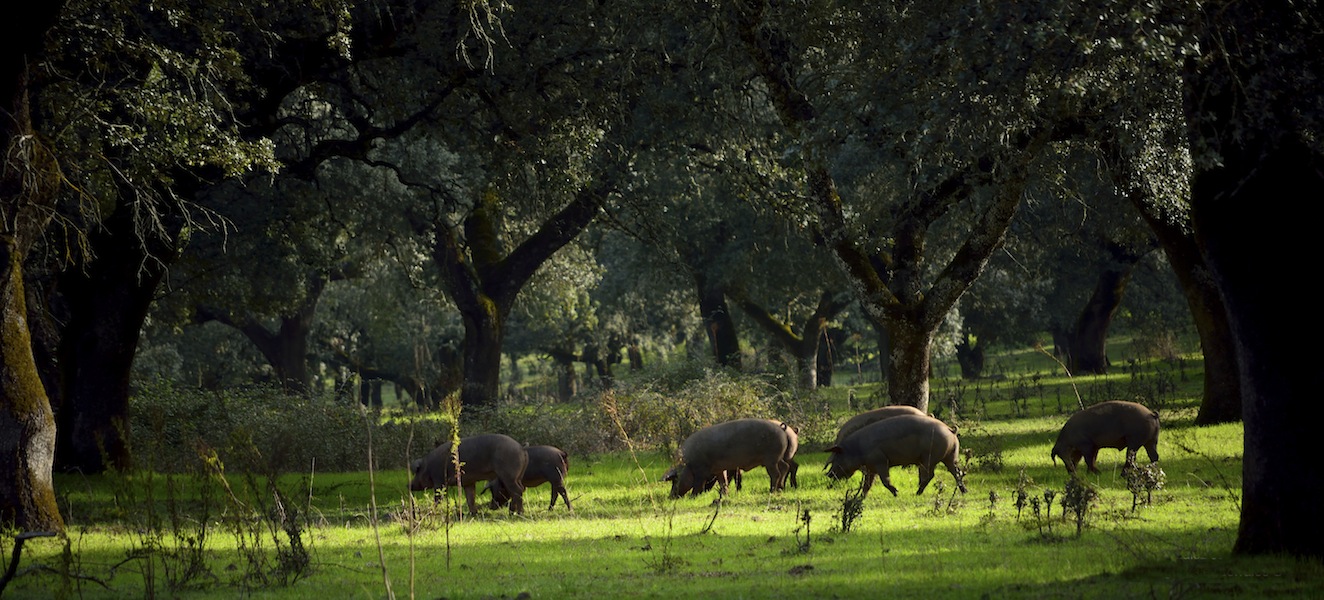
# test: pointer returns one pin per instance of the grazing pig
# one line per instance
(870, 416)
(1112, 424)
(482, 457)
(547, 464)
(735, 475)
(918, 440)
(718, 449)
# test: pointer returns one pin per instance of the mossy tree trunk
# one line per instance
(802, 345)
(28, 184)
(483, 280)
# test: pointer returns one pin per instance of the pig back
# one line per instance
(1111, 424)
(869, 417)
(738, 444)
(490, 456)
(903, 439)
(546, 463)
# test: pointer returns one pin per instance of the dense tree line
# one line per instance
(458, 182)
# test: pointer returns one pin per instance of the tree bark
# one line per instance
(1088, 339)
(970, 357)
(28, 187)
(484, 284)
(804, 345)
(718, 325)
(1248, 216)
(108, 300)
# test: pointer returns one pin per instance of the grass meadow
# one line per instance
(360, 534)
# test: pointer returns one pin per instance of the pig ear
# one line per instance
(835, 449)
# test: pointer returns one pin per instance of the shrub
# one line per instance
(263, 429)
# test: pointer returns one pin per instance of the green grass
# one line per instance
(627, 539)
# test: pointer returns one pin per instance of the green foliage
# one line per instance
(260, 429)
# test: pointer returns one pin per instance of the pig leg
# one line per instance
(866, 482)
(868, 476)
(956, 471)
(558, 487)
(1152, 450)
(925, 476)
(699, 480)
(498, 495)
(1091, 454)
(775, 474)
(1131, 456)
(469, 494)
(1071, 461)
(885, 476)
(515, 491)
(794, 467)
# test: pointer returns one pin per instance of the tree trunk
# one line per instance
(833, 340)
(1221, 402)
(718, 324)
(636, 357)
(908, 379)
(1280, 383)
(884, 351)
(27, 426)
(484, 284)
(601, 365)
(516, 373)
(1089, 336)
(803, 346)
(28, 184)
(567, 379)
(1248, 216)
(484, 333)
(970, 357)
(108, 301)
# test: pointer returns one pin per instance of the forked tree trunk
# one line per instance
(908, 378)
